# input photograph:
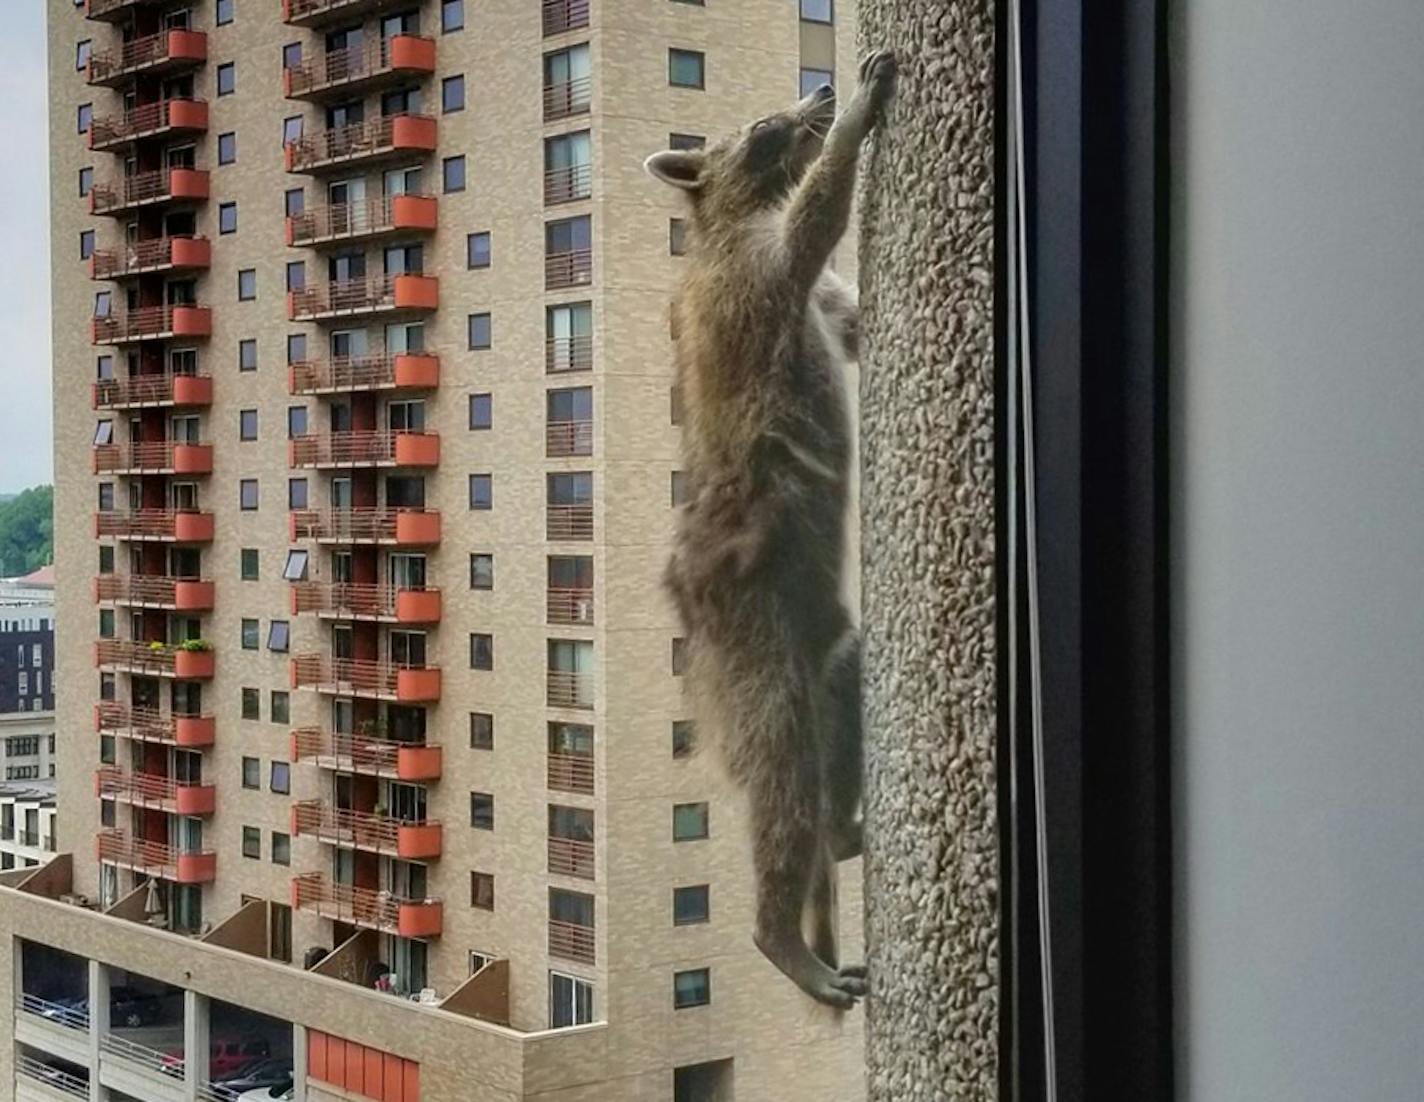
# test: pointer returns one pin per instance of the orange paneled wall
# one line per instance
(366, 1071)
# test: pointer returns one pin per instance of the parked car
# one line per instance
(70, 1010)
(226, 1057)
(270, 1072)
(278, 1093)
(132, 1008)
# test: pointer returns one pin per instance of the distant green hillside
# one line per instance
(27, 531)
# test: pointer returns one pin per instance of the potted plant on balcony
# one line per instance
(193, 658)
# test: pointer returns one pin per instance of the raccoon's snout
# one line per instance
(818, 109)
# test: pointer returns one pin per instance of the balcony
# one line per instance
(144, 189)
(365, 448)
(373, 525)
(366, 677)
(563, 354)
(370, 755)
(153, 659)
(362, 143)
(165, 52)
(570, 941)
(568, 438)
(380, 216)
(564, 15)
(400, 371)
(377, 294)
(154, 591)
(165, 525)
(361, 601)
(570, 773)
(337, 826)
(115, 11)
(567, 98)
(112, 717)
(313, 13)
(153, 323)
(157, 859)
(568, 269)
(569, 605)
(37, 1079)
(163, 118)
(565, 185)
(150, 790)
(153, 457)
(361, 67)
(157, 254)
(569, 689)
(571, 857)
(373, 910)
(162, 389)
(569, 522)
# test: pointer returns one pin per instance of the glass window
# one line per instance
(291, 129)
(296, 421)
(811, 79)
(106, 497)
(227, 79)
(678, 488)
(481, 731)
(482, 890)
(477, 250)
(251, 634)
(279, 634)
(85, 116)
(246, 284)
(691, 988)
(689, 822)
(481, 492)
(250, 558)
(86, 181)
(296, 568)
(452, 15)
(480, 411)
(679, 657)
(247, 493)
(482, 810)
(479, 326)
(677, 236)
(247, 355)
(689, 905)
(251, 773)
(103, 433)
(106, 623)
(86, 244)
(817, 11)
(247, 424)
(280, 710)
(291, 55)
(685, 68)
(103, 301)
(281, 848)
(296, 348)
(106, 558)
(294, 201)
(570, 1001)
(296, 275)
(686, 141)
(481, 651)
(296, 493)
(227, 148)
(251, 702)
(280, 778)
(81, 53)
(453, 173)
(452, 94)
(224, 11)
(481, 571)
(251, 842)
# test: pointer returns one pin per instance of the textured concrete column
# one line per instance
(195, 1041)
(98, 1023)
(927, 531)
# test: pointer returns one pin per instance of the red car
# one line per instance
(225, 1057)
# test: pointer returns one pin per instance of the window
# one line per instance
(570, 1001)
(291, 55)
(452, 94)
(250, 558)
(251, 773)
(675, 404)
(679, 657)
(482, 810)
(689, 822)
(685, 68)
(689, 905)
(453, 173)
(686, 141)
(279, 780)
(481, 651)
(692, 988)
(224, 11)
(85, 117)
(296, 275)
(106, 558)
(477, 250)
(811, 79)
(279, 635)
(481, 731)
(227, 148)
(102, 302)
(678, 488)
(481, 492)
(246, 284)
(251, 633)
(86, 181)
(251, 702)
(86, 244)
(296, 348)
(108, 686)
(106, 497)
(568, 171)
(251, 842)
(281, 848)
(294, 201)
(482, 890)
(247, 493)
(81, 53)
(106, 625)
(296, 421)
(481, 571)
(296, 568)
(677, 236)
(479, 331)
(817, 11)
(247, 424)
(296, 493)
(103, 433)
(227, 79)
(247, 355)
(280, 708)
(452, 15)
(480, 411)
(291, 129)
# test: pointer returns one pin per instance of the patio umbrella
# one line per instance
(153, 906)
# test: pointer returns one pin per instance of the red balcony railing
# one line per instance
(153, 323)
(375, 910)
(366, 677)
(368, 218)
(367, 753)
(314, 12)
(564, 15)
(569, 605)
(149, 789)
(564, 185)
(153, 457)
(156, 858)
(159, 590)
(402, 527)
(110, 9)
(113, 717)
(379, 137)
(373, 294)
(144, 188)
(367, 601)
(365, 830)
(567, 97)
(571, 942)
(163, 51)
(398, 371)
(379, 447)
(153, 255)
(136, 656)
(164, 389)
(570, 689)
(568, 354)
(148, 120)
(566, 438)
(571, 857)
(571, 772)
(176, 525)
(569, 522)
(362, 64)
(568, 269)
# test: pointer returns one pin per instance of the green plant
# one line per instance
(157, 645)
(195, 645)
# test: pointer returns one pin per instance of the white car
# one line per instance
(268, 1094)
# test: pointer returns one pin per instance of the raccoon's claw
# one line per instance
(877, 74)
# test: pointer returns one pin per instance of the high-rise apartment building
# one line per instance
(366, 433)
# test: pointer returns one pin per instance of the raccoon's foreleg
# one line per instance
(841, 310)
(843, 744)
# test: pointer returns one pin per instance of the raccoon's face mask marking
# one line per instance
(757, 167)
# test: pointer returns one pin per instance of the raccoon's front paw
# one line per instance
(877, 82)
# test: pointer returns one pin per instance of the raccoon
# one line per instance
(756, 571)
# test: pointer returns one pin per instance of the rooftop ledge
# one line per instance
(501, 1059)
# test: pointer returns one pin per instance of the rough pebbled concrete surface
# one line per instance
(927, 530)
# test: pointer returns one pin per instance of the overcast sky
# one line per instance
(25, 444)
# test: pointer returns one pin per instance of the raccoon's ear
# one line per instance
(678, 167)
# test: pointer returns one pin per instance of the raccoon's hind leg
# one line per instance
(844, 748)
(821, 909)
